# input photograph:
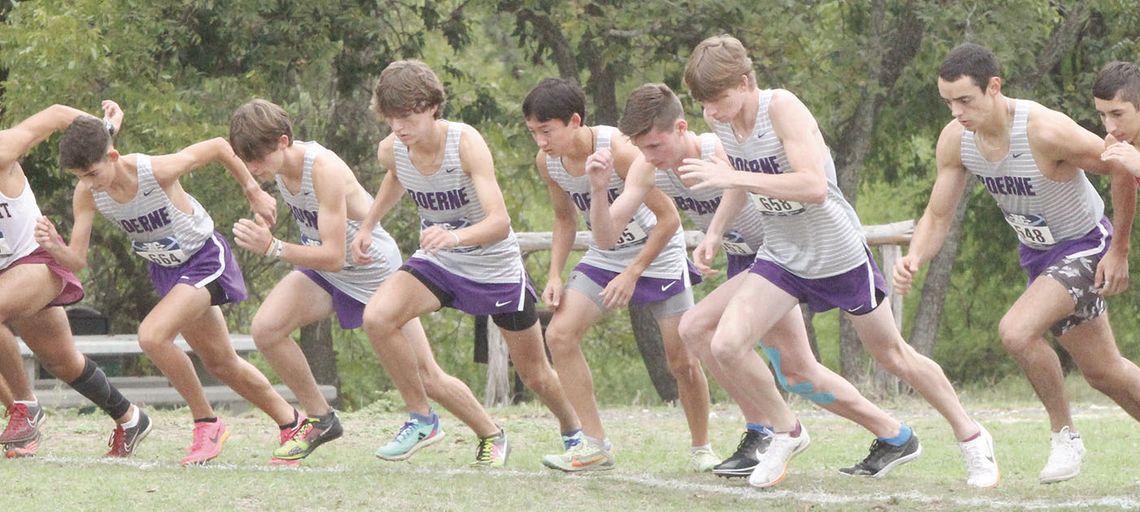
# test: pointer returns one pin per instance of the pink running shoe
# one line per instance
(208, 441)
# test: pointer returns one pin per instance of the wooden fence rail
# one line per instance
(888, 238)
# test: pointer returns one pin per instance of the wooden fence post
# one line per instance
(498, 391)
(884, 383)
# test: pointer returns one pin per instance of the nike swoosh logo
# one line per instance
(214, 438)
(1018, 155)
(761, 135)
(147, 193)
(670, 285)
(501, 304)
(578, 463)
(451, 170)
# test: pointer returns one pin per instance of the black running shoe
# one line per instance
(124, 440)
(885, 457)
(312, 433)
(744, 460)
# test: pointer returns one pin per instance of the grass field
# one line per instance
(651, 474)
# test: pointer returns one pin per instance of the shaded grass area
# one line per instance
(652, 474)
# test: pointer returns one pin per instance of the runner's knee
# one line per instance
(696, 331)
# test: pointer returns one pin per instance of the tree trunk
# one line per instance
(316, 344)
(924, 334)
(602, 85)
(852, 360)
(891, 51)
(648, 338)
(893, 45)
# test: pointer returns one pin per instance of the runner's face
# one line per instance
(267, 165)
(724, 107)
(968, 103)
(97, 177)
(1121, 118)
(662, 149)
(553, 136)
(414, 126)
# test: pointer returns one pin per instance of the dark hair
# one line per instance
(651, 106)
(555, 98)
(1121, 78)
(407, 87)
(255, 128)
(84, 143)
(974, 61)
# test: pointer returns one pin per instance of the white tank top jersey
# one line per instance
(670, 264)
(446, 197)
(358, 281)
(18, 216)
(158, 230)
(1041, 211)
(812, 241)
(746, 233)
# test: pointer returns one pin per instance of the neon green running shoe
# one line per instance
(492, 451)
(311, 433)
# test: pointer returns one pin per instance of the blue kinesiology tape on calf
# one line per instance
(804, 389)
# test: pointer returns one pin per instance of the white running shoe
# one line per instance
(702, 459)
(773, 463)
(1064, 457)
(981, 466)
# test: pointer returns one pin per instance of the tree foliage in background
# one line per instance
(866, 69)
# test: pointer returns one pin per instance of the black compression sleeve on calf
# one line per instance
(93, 385)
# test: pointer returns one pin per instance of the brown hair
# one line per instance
(84, 143)
(1121, 78)
(407, 87)
(650, 107)
(255, 128)
(716, 65)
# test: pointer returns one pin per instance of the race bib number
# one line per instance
(733, 243)
(631, 236)
(5, 249)
(778, 207)
(166, 252)
(1030, 229)
(310, 242)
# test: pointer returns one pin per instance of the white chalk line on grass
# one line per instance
(147, 465)
(646, 480)
(819, 497)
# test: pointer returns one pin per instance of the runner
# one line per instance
(814, 252)
(191, 266)
(642, 264)
(34, 287)
(468, 258)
